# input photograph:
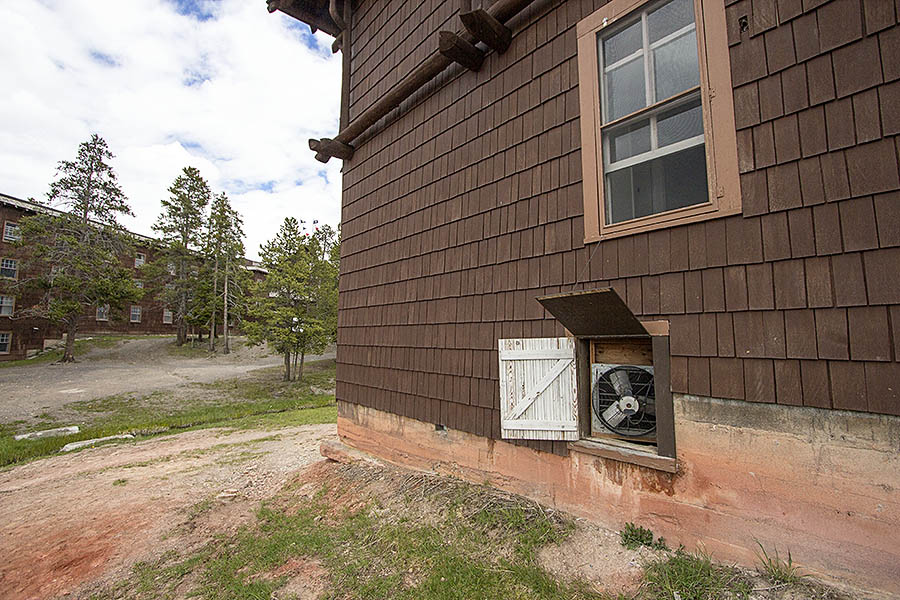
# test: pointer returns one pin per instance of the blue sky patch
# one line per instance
(107, 60)
(196, 9)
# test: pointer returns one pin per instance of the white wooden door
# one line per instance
(538, 389)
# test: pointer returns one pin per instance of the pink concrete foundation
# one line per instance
(823, 484)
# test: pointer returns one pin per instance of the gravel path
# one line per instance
(136, 365)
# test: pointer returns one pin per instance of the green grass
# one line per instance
(634, 536)
(777, 569)
(693, 577)
(259, 400)
(474, 545)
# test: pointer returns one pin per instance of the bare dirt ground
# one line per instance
(131, 366)
(75, 521)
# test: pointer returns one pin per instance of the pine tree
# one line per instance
(295, 307)
(73, 257)
(224, 251)
(180, 228)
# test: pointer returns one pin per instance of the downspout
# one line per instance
(341, 146)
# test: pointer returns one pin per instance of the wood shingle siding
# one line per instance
(466, 203)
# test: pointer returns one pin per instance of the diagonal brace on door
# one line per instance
(532, 394)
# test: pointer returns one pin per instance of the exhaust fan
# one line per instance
(623, 400)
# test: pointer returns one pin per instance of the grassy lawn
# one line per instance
(258, 400)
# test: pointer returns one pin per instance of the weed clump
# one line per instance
(777, 569)
(694, 577)
(634, 536)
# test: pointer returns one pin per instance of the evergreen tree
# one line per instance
(180, 228)
(224, 252)
(73, 257)
(295, 307)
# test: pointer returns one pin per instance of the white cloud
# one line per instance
(236, 93)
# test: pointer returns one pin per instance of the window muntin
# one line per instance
(135, 316)
(167, 316)
(103, 312)
(7, 306)
(139, 259)
(5, 342)
(11, 232)
(9, 268)
(652, 121)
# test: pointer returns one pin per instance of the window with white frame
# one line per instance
(135, 314)
(103, 312)
(5, 342)
(11, 232)
(139, 259)
(648, 112)
(167, 316)
(9, 268)
(7, 306)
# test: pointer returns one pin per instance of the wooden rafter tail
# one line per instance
(459, 50)
(487, 29)
(326, 148)
(338, 43)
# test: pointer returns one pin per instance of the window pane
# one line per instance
(622, 44)
(625, 90)
(680, 123)
(673, 181)
(629, 141)
(675, 66)
(669, 18)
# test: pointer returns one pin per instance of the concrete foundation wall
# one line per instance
(823, 484)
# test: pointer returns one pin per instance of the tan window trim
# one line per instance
(16, 278)
(718, 122)
(13, 306)
(16, 223)
(9, 345)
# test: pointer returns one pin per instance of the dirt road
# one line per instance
(82, 519)
(133, 365)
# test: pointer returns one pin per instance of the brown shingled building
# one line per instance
(639, 260)
(21, 337)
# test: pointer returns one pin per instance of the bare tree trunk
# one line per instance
(296, 356)
(69, 354)
(212, 318)
(302, 358)
(287, 365)
(225, 311)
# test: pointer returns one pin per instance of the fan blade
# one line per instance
(621, 382)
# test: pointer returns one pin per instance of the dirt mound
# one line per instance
(84, 519)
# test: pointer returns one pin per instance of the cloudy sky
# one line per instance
(221, 85)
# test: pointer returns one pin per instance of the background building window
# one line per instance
(7, 306)
(5, 342)
(11, 232)
(103, 313)
(167, 316)
(135, 314)
(139, 259)
(9, 268)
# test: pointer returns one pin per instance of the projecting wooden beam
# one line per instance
(459, 50)
(487, 29)
(326, 148)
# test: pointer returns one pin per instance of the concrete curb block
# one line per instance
(83, 443)
(36, 435)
